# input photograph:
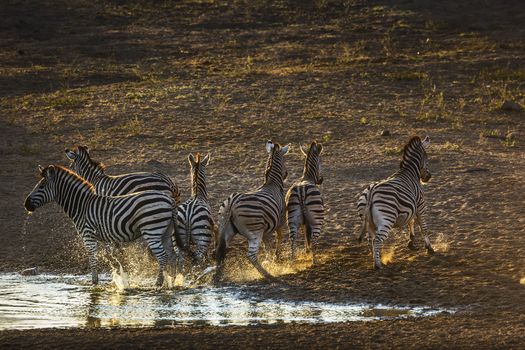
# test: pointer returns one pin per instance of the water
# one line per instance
(46, 301)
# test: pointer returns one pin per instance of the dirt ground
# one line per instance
(143, 83)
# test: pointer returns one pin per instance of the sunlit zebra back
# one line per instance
(304, 202)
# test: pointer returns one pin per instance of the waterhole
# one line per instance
(46, 301)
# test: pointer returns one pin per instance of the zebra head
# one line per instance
(312, 164)
(275, 165)
(44, 191)
(415, 157)
(82, 164)
(198, 172)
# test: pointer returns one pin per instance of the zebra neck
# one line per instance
(199, 192)
(411, 171)
(72, 197)
(275, 186)
(94, 175)
(310, 176)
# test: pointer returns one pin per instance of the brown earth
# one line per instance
(143, 83)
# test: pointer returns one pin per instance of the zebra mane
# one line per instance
(69, 173)
(269, 163)
(411, 145)
(98, 165)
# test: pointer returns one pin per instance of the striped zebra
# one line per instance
(397, 201)
(150, 214)
(257, 214)
(304, 203)
(194, 219)
(108, 185)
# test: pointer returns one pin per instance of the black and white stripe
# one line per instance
(108, 185)
(304, 203)
(194, 219)
(109, 219)
(255, 215)
(397, 201)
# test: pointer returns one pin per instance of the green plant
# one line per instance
(392, 150)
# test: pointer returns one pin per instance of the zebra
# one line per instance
(150, 214)
(304, 203)
(108, 185)
(257, 214)
(194, 220)
(397, 201)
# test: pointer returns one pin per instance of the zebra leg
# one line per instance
(267, 240)
(424, 230)
(91, 246)
(411, 242)
(380, 236)
(315, 232)
(154, 241)
(167, 242)
(369, 238)
(278, 244)
(293, 227)
(308, 232)
(225, 237)
(253, 248)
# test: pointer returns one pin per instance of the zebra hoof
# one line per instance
(378, 267)
(411, 245)
(270, 279)
(159, 282)
(430, 251)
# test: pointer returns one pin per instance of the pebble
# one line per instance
(385, 132)
(511, 106)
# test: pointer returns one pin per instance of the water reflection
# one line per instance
(70, 301)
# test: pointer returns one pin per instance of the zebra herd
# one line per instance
(122, 208)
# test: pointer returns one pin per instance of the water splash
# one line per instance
(46, 301)
(120, 278)
(441, 243)
(387, 256)
(24, 233)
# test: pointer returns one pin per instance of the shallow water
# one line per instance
(46, 301)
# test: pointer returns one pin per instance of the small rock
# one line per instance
(511, 135)
(511, 106)
(32, 271)
(385, 133)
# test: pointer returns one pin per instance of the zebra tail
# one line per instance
(366, 215)
(225, 215)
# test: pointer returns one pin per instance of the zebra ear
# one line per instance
(302, 151)
(285, 149)
(320, 148)
(70, 154)
(191, 159)
(269, 146)
(50, 172)
(40, 169)
(426, 142)
(205, 160)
